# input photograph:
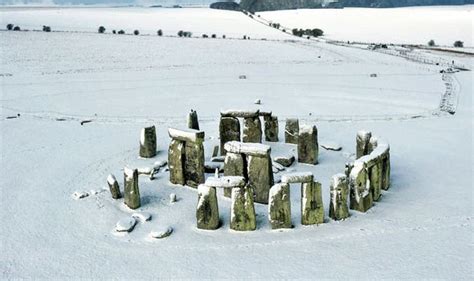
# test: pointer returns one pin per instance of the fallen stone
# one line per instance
(80, 195)
(142, 216)
(300, 177)
(285, 160)
(125, 225)
(148, 142)
(331, 146)
(279, 206)
(278, 166)
(161, 233)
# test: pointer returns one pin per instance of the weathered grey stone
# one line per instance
(215, 151)
(207, 211)
(375, 177)
(271, 128)
(240, 113)
(114, 187)
(226, 182)
(386, 171)
(242, 217)
(312, 211)
(125, 225)
(360, 195)
(229, 130)
(348, 168)
(372, 144)
(255, 149)
(131, 190)
(148, 142)
(176, 162)
(193, 122)
(362, 143)
(339, 190)
(252, 131)
(234, 165)
(285, 160)
(299, 177)
(279, 206)
(194, 163)
(292, 130)
(264, 113)
(308, 149)
(186, 135)
(260, 176)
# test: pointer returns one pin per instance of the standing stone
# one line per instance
(176, 162)
(386, 171)
(148, 142)
(271, 128)
(252, 131)
(279, 206)
(215, 151)
(359, 184)
(233, 166)
(372, 144)
(131, 191)
(292, 130)
(194, 163)
(375, 177)
(207, 211)
(229, 130)
(242, 217)
(260, 176)
(193, 122)
(308, 149)
(114, 187)
(312, 211)
(339, 189)
(362, 143)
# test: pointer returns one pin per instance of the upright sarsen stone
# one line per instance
(234, 165)
(176, 162)
(194, 163)
(359, 184)
(148, 142)
(279, 206)
(242, 217)
(386, 171)
(229, 130)
(260, 176)
(339, 191)
(193, 122)
(114, 187)
(131, 191)
(271, 128)
(375, 178)
(362, 143)
(252, 131)
(312, 211)
(207, 211)
(292, 130)
(308, 148)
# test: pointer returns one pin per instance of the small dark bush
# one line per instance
(46, 28)
(101, 29)
(431, 43)
(114, 32)
(136, 32)
(245, 37)
(9, 26)
(213, 36)
(159, 32)
(187, 34)
(121, 31)
(223, 36)
(16, 28)
(205, 36)
(458, 44)
(180, 33)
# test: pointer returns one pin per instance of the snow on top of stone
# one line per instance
(142, 137)
(186, 134)
(226, 181)
(308, 129)
(128, 172)
(256, 149)
(299, 177)
(382, 148)
(337, 179)
(111, 179)
(125, 224)
(277, 188)
(240, 113)
(204, 189)
(363, 134)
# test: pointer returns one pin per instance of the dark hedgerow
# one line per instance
(101, 29)
(9, 26)
(159, 32)
(136, 32)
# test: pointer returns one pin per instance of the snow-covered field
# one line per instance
(421, 228)
(411, 25)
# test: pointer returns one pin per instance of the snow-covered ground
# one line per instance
(421, 228)
(411, 25)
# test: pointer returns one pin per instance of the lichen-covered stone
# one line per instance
(252, 131)
(229, 130)
(240, 113)
(279, 206)
(339, 191)
(308, 149)
(207, 211)
(233, 166)
(292, 130)
(271, 128)
(242, 217)
(131, 190)
(260, 176)
(114, 187)
(285, 160)
(375, 177)
(193, 122)
(176, 162)
(312, 210)
(386, 171)
(215, 151)
(194, 163)
(362, 143)
(148, 142)
(359, 185)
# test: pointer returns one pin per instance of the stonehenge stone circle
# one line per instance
(207, 211)
(292, 130)
(131, 190)
(339, 191)
(308, 149)
(148, 142)
(242, 217)
(279, 206)
(193, 122)
(114, 187)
